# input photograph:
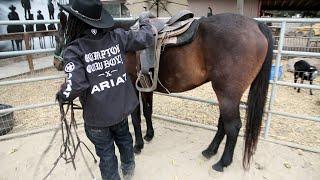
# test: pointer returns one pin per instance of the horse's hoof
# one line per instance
(137, 148)
(208, 154)
(148, 137)
(218, 167)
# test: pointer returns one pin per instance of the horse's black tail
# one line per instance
(257, 100)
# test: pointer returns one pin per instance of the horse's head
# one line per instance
(60, 39)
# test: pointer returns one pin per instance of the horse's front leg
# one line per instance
(136, 121)
(215, 143)
(147, 112)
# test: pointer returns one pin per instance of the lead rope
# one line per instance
(70, 144)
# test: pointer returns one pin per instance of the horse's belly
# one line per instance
(182, 68)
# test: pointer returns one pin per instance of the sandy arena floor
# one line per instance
(174, 154)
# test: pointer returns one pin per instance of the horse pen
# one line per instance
(288, 149)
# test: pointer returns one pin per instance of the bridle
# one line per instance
(70, 139)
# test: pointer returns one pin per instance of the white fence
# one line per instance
(270, 111)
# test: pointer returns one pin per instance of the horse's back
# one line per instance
(231, 27)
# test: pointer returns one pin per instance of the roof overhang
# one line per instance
(298, 5)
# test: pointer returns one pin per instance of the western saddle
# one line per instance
(179, 30)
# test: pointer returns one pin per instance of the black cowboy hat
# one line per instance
(90, 12)
(12, 7)
(39, 11)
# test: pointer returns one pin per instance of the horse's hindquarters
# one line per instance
(235, 51)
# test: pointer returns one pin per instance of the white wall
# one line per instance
(200, 7)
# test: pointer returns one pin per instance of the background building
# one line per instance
(250, 8)
(116, 8)
(200, 7)
(128, 8)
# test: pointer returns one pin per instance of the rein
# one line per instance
(70, 139)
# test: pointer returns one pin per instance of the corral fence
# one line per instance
(28, 38)
(6, 112)
(29, 41)
(299, 36)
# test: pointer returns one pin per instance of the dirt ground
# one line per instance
(287, 100)
(174, 154)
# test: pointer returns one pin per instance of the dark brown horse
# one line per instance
(232, 52)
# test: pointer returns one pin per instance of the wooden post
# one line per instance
(240, 4)
(28, 47)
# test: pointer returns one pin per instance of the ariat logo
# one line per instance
(94, 31)
(69, 67)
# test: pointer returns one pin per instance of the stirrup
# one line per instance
(146, 82)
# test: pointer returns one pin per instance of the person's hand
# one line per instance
(59, 97)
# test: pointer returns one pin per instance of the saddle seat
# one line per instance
(179, 30)
(168, 32)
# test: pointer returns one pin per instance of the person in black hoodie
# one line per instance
(95, 66)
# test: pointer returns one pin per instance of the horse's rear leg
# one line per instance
(214, 145)
(147, 112)
(230, 117)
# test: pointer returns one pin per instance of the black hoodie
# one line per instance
(95, 66)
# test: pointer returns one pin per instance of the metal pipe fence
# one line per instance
(274, 83)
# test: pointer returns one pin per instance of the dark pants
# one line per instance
(103, 139)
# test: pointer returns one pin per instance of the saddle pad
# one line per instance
(185, 38)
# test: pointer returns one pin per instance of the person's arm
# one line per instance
(137, 40)
(76, 82)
